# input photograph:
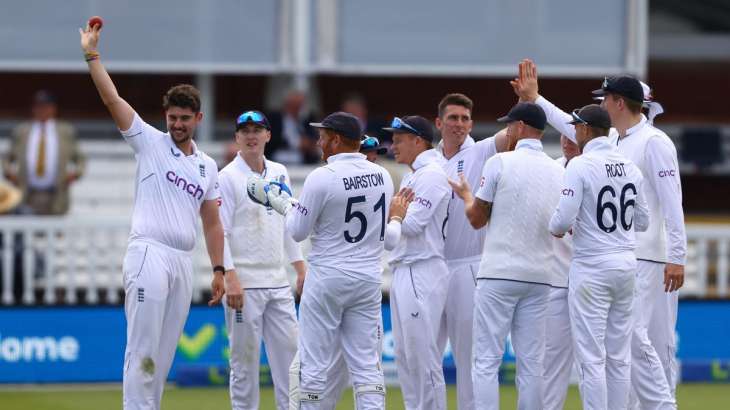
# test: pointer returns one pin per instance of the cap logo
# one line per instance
(605, 82)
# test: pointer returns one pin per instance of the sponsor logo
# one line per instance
(415, 314)
(301, 209)
(174, 154)
(196, 191)
(567, 192)
(667, 173)
(38, 349)
(422, 201)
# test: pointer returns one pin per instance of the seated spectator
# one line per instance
(293, 141)
(44, 159)
(355, 104)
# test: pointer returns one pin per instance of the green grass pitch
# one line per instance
(87, 397)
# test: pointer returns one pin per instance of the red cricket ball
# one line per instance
(96, 21)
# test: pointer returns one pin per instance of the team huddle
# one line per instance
(578, 258)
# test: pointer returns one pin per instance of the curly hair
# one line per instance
(183, 96)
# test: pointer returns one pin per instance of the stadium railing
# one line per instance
(74, 259)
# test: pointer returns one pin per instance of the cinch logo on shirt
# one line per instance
(567, 192)
(195, 190)
(666, 173)
(301, 209)
(423, 202)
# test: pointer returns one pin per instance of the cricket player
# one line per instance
(257, 247)
(559, 357)
(518, 193)
(416, 241)
(370, 146)
(602, 201)
(176, 182)
(463, 244)
(661, 250)
(342, 208)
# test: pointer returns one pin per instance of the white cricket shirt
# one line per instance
(170, 187)
(424, 227)
(524, 188)
(462, 240)
(602, 200)
(655, 155)
(343, 208)
(257, 244)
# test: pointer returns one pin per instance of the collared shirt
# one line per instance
(523, 187)
(343, 208)
(170, 187)
(423, 229)
(493, 170)
(50, 157)
(257, 244)
(462, 240)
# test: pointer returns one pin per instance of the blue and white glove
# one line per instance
(257, 189)
(280, 197)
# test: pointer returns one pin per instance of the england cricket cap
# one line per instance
(252, 117)
(342, 123)
(623, 85)
(527, 112)
(413, 124)
(368, 144)
(592, 115)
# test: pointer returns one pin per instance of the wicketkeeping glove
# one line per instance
(257, 188)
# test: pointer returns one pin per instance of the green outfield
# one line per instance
(690, 397)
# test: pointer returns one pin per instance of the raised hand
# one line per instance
(89, 38)
(526, 85)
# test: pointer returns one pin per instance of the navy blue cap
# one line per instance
(342, 123)
(253, 117)
(527, 112)
(413, 124)
(623, 85)
(592, 115)
(369, 144)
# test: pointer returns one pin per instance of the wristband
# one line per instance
(219, 268)
(396, 217)
(91, 56)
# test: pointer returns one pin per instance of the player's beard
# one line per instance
(181, 136)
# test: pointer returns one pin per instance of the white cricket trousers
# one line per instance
(559, 357)
(601, 297)
(457, 324)
(334, 307)
(158, 291)
(269, 314)
(653, 364)
(417, 299)
(501, 307)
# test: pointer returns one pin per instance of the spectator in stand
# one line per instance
(293, 141)
(44, 159)
(355, 104)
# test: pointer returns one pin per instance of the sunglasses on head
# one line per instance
(250, 116)
(399, 124)
(369, 143)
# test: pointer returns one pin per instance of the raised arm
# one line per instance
(526, 87)
(121, 111)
